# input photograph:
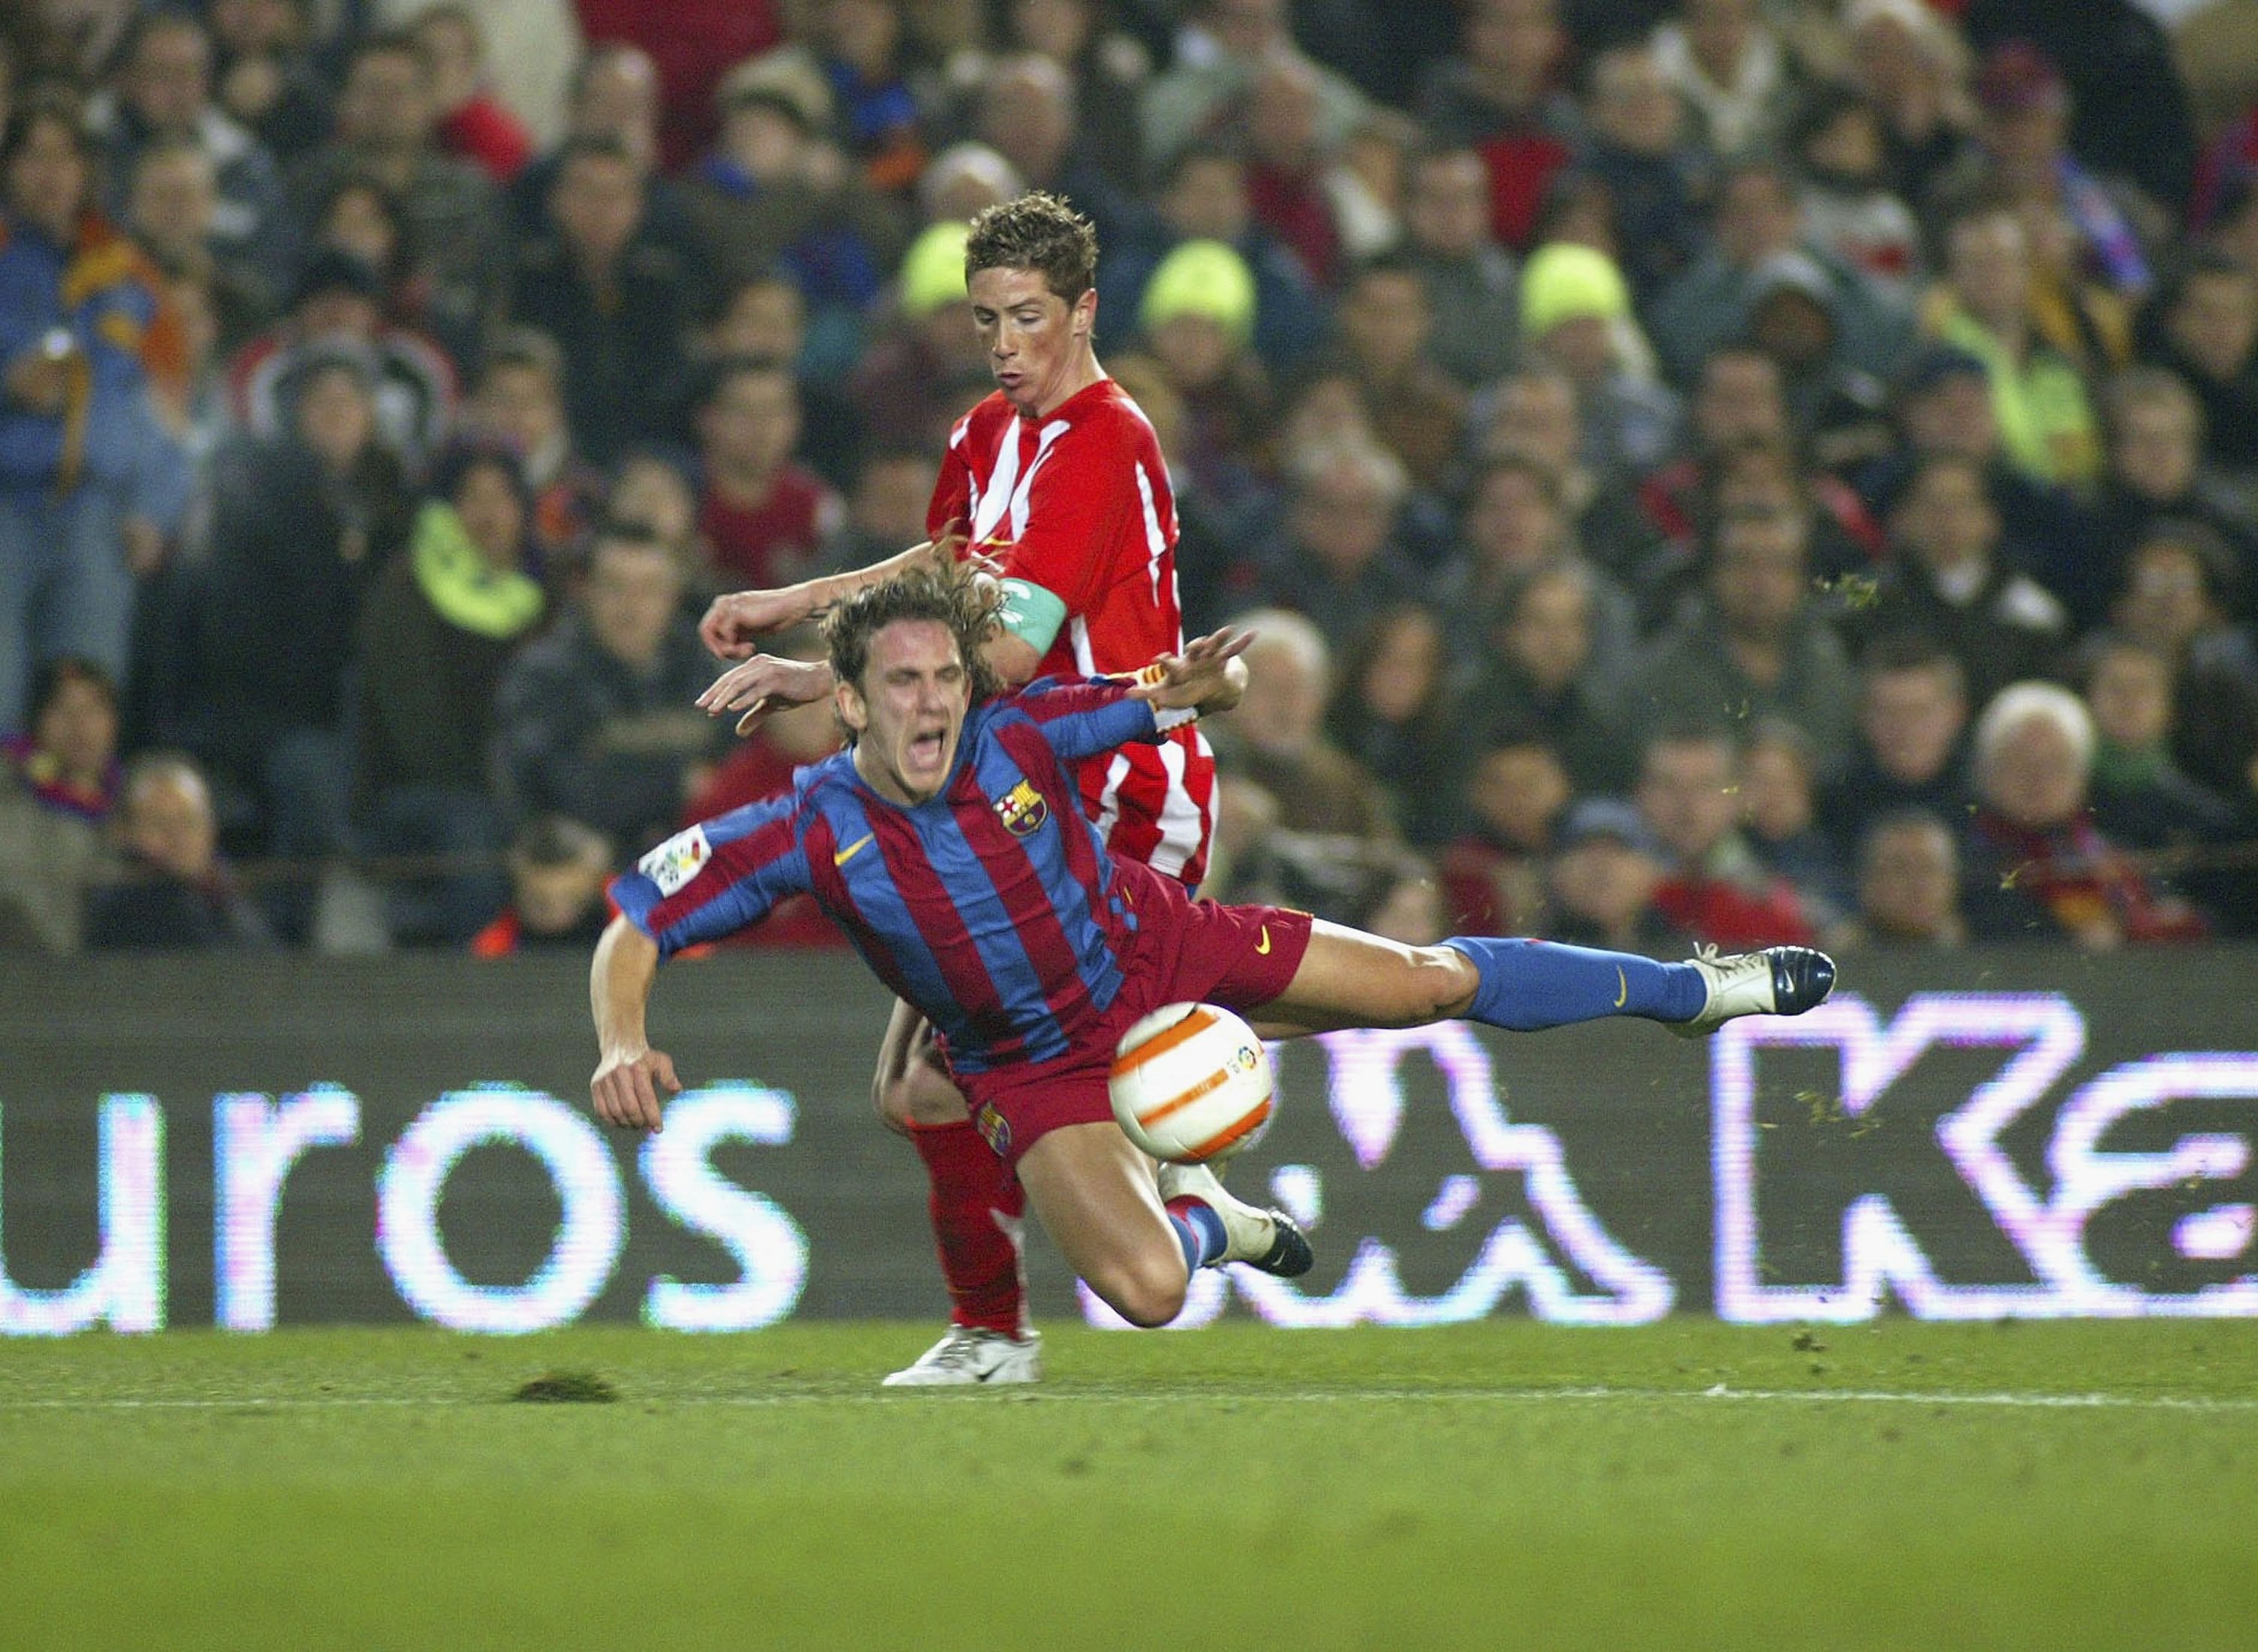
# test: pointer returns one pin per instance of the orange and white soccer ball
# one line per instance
(1191, 1084)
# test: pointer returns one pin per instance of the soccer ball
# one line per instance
(1190, 1083)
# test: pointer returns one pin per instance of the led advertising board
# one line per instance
(253, 1143)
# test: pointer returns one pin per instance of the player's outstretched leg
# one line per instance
(1349, 979)
(1527, 985)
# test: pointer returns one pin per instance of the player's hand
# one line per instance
(1207, 675)
(625, 1088)
(765, 683)
(736, 621)
(951, 548)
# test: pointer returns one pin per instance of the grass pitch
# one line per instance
(1500, 1484)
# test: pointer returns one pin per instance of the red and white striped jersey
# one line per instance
(1079, 503)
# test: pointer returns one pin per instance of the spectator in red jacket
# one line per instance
(1501, 92)
(765, 515)
(2039, 868)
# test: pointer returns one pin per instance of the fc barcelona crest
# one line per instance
(994, 1128)
(1022, 809)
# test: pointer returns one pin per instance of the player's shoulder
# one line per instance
(792, 806)
(810, 780)
(983, 417)
(1106, 406)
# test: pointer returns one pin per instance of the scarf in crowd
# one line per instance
(44, 779)
(468, 591)
(2079, 877)
(2116, 248)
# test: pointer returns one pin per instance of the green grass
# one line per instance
(1499, 1485)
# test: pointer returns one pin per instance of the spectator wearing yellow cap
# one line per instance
(924, 361)
(1204, 279)
(1197, 319)
(932, 275)
(1576, 317)
(1204, 195)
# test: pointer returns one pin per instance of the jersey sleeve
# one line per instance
(717, 877)
(1080, 716)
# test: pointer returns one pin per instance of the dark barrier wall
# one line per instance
(185, 1142)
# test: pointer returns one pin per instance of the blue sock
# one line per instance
(1199, 1230)
(1527, 985)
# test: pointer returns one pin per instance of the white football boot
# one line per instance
(970, 1354)
(1778, 981)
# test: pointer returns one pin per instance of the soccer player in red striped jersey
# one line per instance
(1074, 506)
(1057, 483)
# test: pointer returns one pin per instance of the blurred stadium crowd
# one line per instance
(1738, 470)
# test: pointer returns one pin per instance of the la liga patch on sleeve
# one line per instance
(674, 862)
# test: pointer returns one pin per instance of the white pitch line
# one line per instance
(1323, 1396)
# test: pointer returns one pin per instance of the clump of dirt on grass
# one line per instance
(567, 1387)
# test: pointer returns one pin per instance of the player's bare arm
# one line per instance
(629, 1073)
(736, 621)
(769, 683)
(766, 683)
(763, 684)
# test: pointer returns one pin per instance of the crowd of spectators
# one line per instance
(1720, 471)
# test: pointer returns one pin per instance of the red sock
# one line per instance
(976, 1206)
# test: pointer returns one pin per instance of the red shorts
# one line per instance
(1186, 952)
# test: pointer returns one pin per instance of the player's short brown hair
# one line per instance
(1035, 231)
(941, 592)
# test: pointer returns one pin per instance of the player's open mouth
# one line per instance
(926, 748)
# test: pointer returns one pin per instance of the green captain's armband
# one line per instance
(1031, 613)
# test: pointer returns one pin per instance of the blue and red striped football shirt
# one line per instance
(994, 908)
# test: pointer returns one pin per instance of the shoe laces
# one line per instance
(1732, 964)
(959, 1350)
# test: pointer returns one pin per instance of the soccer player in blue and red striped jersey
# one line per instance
(1057, 480)
(946, 842)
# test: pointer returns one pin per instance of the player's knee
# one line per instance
(1438, 985)
(1147, 1292)
(1454, 979)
